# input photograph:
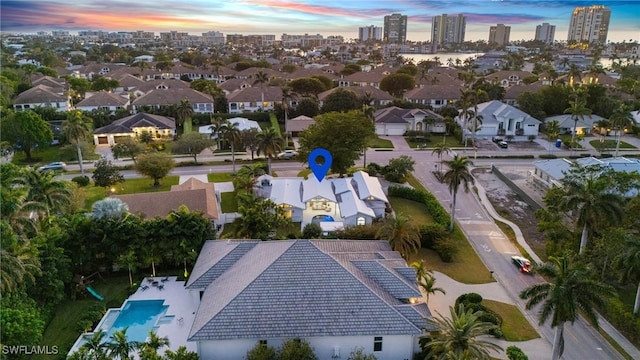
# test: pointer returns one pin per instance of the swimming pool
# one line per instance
(139, 316)
(320, 218)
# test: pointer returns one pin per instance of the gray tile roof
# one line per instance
(302, 288)
(215, 258)
(388, 280)
(127, 124)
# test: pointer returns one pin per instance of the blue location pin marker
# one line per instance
(320, 170)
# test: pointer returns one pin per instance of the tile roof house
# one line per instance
(500, 119)
(396, 121)
(164, 95)
(435, 95)
(103, 100)
(507, 78)
(566, 123)
(335, 294)
(332, 203)
(134, 125)
(42, 96)
(298, 124)
(194, 194)
(377, 96)
(251, 99)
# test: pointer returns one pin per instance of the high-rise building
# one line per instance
(545, 33)
(448, 29)
(590, 24)
(499, 34)
(370, 32)
(395, 28)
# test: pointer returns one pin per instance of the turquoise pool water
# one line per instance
(139, 316)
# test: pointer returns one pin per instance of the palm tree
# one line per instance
(270, 143)
(184, 112)
(153, 343)
(441, 149)
(287, 95)
(578, 110)
(119, 346)
(231, 133)
(593, 203)
(130, 261)
(620, 119)
(261, 79)
(401, 234)
(457, 337)
(77, 128)
(458, 174)
(96, 346)
(629, 262)
(19, 263)
(43, 188)
(571, 290)
(217, 126)
(553, 130)
(475, 124)
(574, 73)
(426, 280)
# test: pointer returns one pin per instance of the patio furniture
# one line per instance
(161, 287)
(155, 283)
(150, 279)
(143, 287)
(165, 279)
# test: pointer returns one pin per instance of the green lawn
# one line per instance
(380, 143)
(47, 155)
(219, 177)
(129, 186)
(62, 331)
(515, 326)
(413, 181)
(450, 141)
(275, 124)
(415, 210)
(228, 202)
(610, 144)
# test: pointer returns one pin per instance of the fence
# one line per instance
(516, 188)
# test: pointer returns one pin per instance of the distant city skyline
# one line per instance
(329, 17)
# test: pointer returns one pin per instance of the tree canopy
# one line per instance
(155, 165)
(26, 131)
(343, 134)
(396, 84)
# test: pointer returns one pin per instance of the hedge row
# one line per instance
(437, 212)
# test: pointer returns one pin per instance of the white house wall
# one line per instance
(391, 129)
(394, 347)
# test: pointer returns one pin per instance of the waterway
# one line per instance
(443, 57)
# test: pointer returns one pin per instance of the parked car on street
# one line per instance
(288, 154)
(522, 263)
(58, 165)
(503, 144)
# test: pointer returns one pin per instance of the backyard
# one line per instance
(129, 186)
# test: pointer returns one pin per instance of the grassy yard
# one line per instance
(47, 155)
(230, 230)
(432, 141)
(228, 202)
(610, 144)
(515, 326)
(380, 143)
(415, 210)
(411, 179)
(129, 186)
(62, 330)
(219, 177)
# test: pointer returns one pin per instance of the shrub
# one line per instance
(81, 180)
(446, 249)
(311, 231)
(514, 353)
(432, 233)
(437, 212)
(469, 298)
(547, 156)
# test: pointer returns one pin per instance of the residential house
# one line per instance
(366, 78)
(331, 203)
(583, 126)
(508, 78)
(252, 99)
(42, 96)
(165, 96)
(58, 85)
(338, 295)
(376, 96)
(513, 91)
(128, 83)
(103, 100)
(193, 193)
(242, 123)
(297, 124)
(500, 119)
(231, 85)
(396, 121)
(434, 95)
(134, 125)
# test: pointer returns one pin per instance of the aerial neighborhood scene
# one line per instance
(305, 180)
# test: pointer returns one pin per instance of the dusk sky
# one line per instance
(326, 17)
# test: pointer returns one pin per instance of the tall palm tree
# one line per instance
(593, 204)
(629, 262)
(578, 110)
(77, 128)
(270, 143)
(457, 336)
(43, 188)
(119, 346)
(458, 174)
(620, 119)
(96, 346)
(441, 149)
(19, 263)
(426, 280)
(153, 343)
(571, 290)
(261, 79)
(401, 234)
(231, 133)
(287, 95)
(130, 261)
(184, 112)
(553, 130)
(574, 73)
(217, 126)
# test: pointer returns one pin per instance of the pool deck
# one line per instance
(181, 306)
